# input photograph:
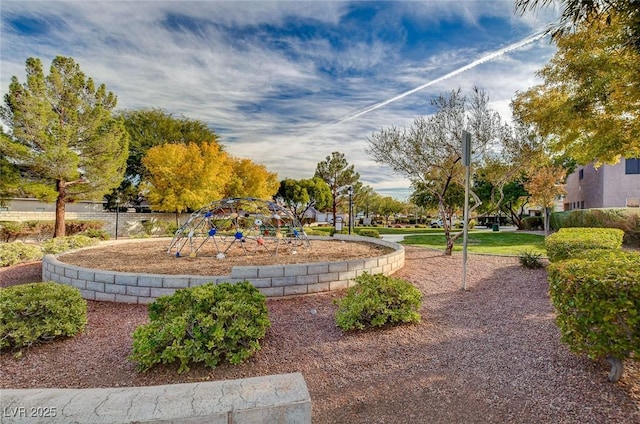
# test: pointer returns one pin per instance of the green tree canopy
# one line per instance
(152, 127)
(589, 103)
(148, 128)
(364, 198)
(63, 137)
(301, 195)
(429, 153)
(9, 173)
(339, 175)
(387, 207)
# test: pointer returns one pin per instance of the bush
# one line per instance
(96, 234)
(41, 230)
(625, 219)
(343, 231)
(530, 260)
(38, 230)
(597, 301)
(37, 312)
(17, 252)
(210, 324)
(368, 232)
(11, 231)
(62, 244)
(532, 223)
(568, 242)
(78, 227)
(378, 300)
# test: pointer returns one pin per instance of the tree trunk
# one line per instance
(59, 228)
(450, 241)
(448, 251)
(546, 221)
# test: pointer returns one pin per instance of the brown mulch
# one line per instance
(488, 354)
(151, 257)
(22, 273)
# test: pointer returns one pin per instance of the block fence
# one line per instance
(271, 280)
(129, 223)
(280, 398)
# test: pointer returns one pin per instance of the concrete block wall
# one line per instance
(280, 398)
(271, 280)
(129, 223)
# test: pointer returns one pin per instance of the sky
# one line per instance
(286, 83)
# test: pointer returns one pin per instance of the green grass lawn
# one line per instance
(493, 243)
(386, 230)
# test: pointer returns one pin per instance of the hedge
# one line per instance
(368, 232)
(597, 301)
(568, 242)
(625, 219)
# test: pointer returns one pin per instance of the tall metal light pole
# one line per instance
(350, 207)
(466, 161)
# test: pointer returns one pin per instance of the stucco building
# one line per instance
(609, 186)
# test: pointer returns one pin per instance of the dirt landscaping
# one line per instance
(491, 353)
(151, 257)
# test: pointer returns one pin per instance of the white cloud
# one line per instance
(274, 95)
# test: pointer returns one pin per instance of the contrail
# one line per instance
(465, 68)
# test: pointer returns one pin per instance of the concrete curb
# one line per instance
(281, 398)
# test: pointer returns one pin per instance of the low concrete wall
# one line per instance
(281, 398)
(271, 280)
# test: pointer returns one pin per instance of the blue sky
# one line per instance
(287, 83)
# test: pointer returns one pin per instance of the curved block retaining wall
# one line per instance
(271, 280)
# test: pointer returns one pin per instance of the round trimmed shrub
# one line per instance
(378, 300)
(17, 252)
(39, 312)
(597, 301)
(210, 324)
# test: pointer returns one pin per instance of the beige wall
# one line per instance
(619, 187)
(129, 223)
(605, 187)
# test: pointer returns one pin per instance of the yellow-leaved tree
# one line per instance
(544, 184)
(185, 176)
(250, 179)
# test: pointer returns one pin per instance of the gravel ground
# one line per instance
(488, 354)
